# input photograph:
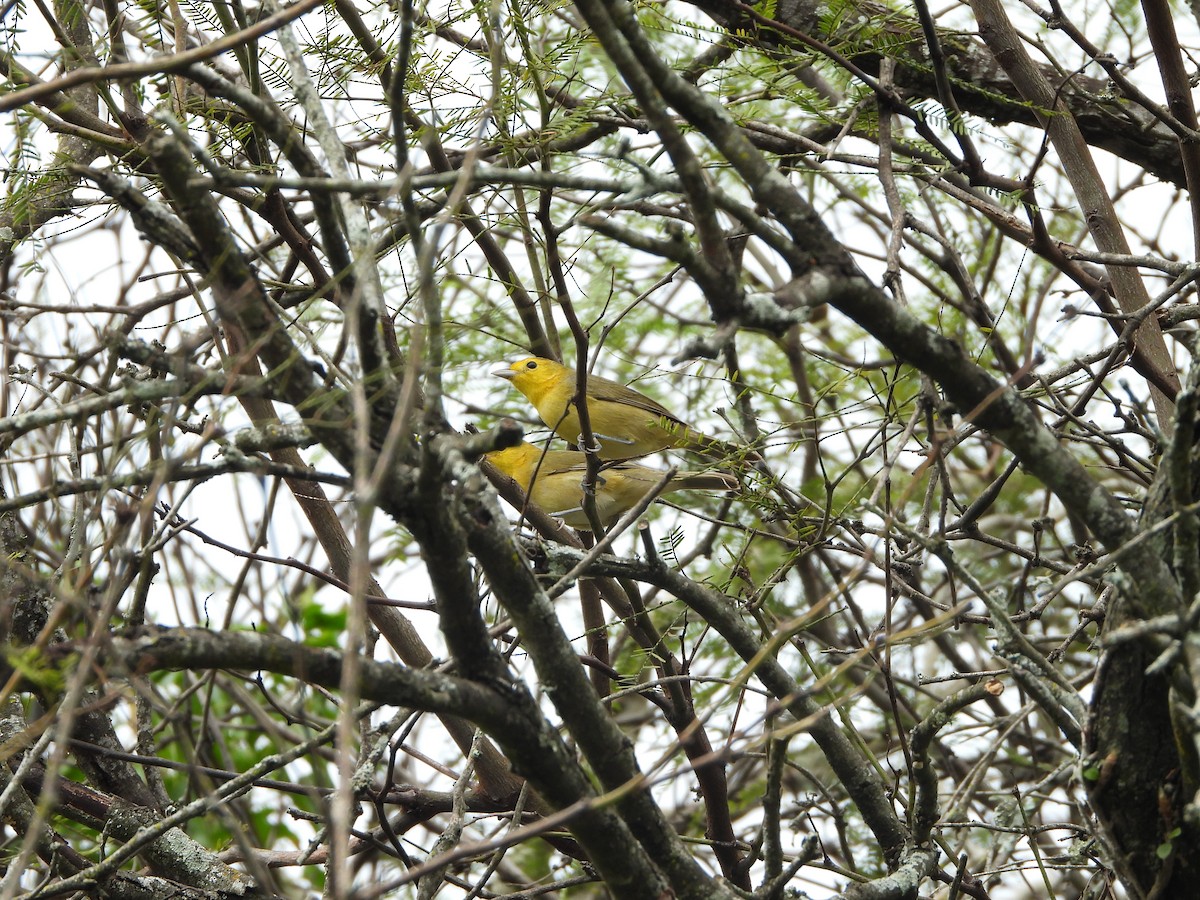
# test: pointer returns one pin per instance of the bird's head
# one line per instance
(534, 375)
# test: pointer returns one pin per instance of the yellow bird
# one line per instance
(625, 423)
(558, 485)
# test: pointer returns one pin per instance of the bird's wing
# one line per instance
(627, 396)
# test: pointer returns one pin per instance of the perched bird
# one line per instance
(557, 486)
(625, 423)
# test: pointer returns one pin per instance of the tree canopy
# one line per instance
(274, 626)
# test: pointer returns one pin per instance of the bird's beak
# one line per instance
(507, 374)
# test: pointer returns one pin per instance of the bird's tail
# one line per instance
(715, 448)
(705, 481)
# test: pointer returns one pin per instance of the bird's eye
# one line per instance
(531, 365)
